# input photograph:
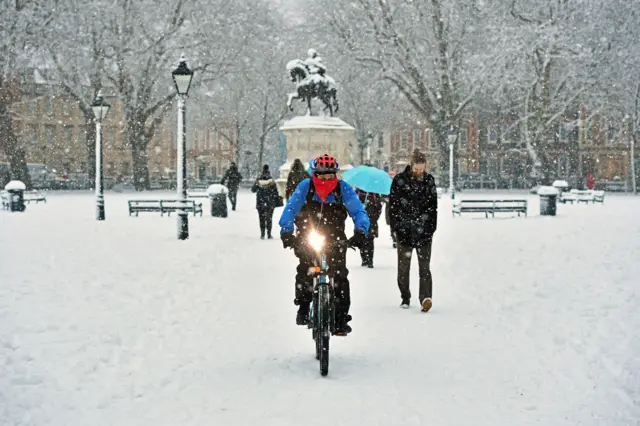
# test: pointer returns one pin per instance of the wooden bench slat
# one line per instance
(490, 206)
(164, 206)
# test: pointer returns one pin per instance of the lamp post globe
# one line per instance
(100, 108)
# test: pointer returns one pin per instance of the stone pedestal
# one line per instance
(311, 136)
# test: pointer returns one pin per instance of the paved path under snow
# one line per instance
(535, 322)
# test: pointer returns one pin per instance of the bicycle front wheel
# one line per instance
(324, 332)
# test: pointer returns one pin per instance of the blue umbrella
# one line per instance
(368, 179)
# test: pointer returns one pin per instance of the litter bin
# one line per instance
(15, 191)
(218, 198)
(548, 200)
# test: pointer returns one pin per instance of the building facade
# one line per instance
(52, 130)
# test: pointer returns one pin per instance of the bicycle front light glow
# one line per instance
(316, 241)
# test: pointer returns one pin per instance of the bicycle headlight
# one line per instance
(315, 240)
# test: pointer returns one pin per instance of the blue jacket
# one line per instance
(349, 199)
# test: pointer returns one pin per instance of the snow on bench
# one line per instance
(490, 206)
(586, 196)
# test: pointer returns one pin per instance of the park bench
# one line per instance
(163, 206)
(197, 194)
(34, 196)
(490, 207)
(587, 196)
(4, 196)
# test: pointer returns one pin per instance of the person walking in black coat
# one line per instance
(267, 198)
(231, 180)
(373, 206)
(413, 213)
(296, 175)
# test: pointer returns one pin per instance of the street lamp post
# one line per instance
(633, 165)
(182, 80)
(452, 136)
(100, 109)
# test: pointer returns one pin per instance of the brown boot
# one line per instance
(426, 304)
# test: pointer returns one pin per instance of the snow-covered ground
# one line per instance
(535, 322)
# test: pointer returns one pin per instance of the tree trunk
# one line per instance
(17, 158)
(90, 144)
(140, 168)
(137, 140)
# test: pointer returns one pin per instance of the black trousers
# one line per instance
(266, 221)
(404, 268)
(233, 197)
(336, 260)
(366, 251)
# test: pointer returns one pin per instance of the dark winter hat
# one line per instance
(265, 168)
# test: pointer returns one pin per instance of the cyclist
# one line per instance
(322, 203)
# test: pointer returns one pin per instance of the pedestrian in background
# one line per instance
(413, 213)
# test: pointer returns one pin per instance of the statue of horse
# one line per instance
(311, 85)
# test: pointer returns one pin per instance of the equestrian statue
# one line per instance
(312, 82)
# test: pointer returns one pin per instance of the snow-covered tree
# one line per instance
(19, 22)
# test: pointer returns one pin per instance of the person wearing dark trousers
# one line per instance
(231, 180)
(413, 213)
(267, 198)
(373, 206)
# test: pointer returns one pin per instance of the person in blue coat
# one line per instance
(322, 204)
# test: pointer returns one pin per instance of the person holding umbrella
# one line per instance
(372, 203)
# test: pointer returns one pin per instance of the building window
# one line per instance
(492, 135)
(49, 106)
(462, 138)
(68, 135)
(492, 166)
(33, 133)
(33, 108)
(380, 141)
(432, 139)
(66, 108)
(611, 134)
(417, 139)
(50, 134)
(110, 140)
(564, 130)
(563, 166)
(404, 141)
(225, 143)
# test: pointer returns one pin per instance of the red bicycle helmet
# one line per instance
(325, 164)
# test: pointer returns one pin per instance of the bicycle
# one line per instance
(322, 312)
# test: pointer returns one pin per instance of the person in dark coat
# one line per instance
(296, 175)
(413, 213)
(231, 180)
(267, 197)
(373, 206)
(387, 219)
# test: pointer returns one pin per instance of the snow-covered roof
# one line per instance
(15, 185)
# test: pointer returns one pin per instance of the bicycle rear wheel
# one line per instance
(324, 332)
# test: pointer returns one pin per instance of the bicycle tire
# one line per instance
(324, 331)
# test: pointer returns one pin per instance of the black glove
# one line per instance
(288, 240)
(357, 240)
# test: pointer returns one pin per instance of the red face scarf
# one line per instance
(324, 187)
